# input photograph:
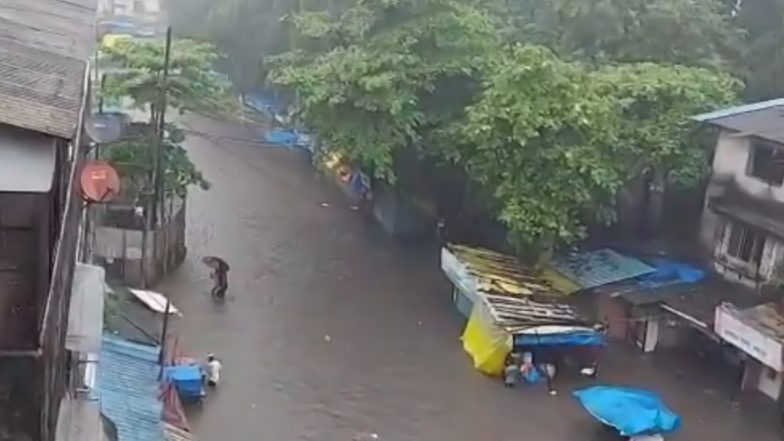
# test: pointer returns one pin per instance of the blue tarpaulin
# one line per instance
(579, 338)
(631, 411)
(669, 272)
(186, 378)
(281, 137)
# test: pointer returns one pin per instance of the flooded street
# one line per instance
(332, 329)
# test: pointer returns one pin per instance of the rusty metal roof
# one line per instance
(44, 48)
(496, 273)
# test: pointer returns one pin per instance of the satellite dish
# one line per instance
(99, 182)
(103, 128)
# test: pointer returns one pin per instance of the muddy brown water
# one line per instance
(332, 331)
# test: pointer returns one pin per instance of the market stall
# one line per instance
(511, 310)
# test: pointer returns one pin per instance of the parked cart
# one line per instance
(188, 379)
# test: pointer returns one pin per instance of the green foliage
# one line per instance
(543, 138)
(192, 85)
(556, 141)
(366, 82)
(134, 157)
(694, 32)
(654, 104)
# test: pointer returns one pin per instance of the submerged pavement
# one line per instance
(332, 331)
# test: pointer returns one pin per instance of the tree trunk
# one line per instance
(655, 204)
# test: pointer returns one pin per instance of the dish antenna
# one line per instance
(99, 182)
(103, 128)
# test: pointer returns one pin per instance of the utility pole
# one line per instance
(150, 214)
(159, 193)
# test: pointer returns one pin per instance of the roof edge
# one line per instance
(736, 110)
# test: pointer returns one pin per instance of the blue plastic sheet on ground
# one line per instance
(669, 272)
(582, 338)
(631, 411)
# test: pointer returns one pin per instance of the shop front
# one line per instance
(749, 330)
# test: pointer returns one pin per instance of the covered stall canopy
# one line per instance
(508, 303)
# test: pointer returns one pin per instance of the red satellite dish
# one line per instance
(99, 181)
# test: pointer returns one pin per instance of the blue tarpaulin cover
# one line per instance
(580, 338)
(669, 272)
(187, 379)
(281, 137)
(629, 410)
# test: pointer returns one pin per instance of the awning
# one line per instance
(85, 319)
(27, 161)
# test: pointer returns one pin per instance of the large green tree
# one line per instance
(556, 140)
(690, 32)
(385, 74)
(137, 73)
(542, 139)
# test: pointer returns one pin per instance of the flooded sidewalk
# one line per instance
(333, 331)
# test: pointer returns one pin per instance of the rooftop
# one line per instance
(591, 269)
(764, 119)
(496, 273)
(44, 48)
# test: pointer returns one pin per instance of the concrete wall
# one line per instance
(730, 164)
(119, 250)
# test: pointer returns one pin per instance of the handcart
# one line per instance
(636, 414)
(188, 379)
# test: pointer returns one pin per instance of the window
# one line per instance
(746, 244)
(766, 162)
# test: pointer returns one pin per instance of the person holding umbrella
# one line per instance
(219, 274)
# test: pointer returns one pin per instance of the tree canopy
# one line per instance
(192, 83)
(373, 82)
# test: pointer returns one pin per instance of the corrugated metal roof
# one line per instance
(129, 389)
(495, 273)
(737, 110)
(600, 267)
(44, 48)
(766, 123)
(27, 160)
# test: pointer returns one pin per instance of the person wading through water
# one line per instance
(219, 274)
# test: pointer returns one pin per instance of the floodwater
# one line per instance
(334, 332)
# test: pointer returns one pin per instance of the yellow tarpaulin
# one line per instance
(487, 343)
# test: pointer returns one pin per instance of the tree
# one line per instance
(691, 32)
(191, 85)
(543, 139)
(372, 83)
(134, 156)
(659, 142)
(654, 104)
(762, 65)
(556, 140)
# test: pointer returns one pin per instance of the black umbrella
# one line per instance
(215, 263)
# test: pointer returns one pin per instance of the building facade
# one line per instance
(43, 103)
(743, 228)
(743, 217)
